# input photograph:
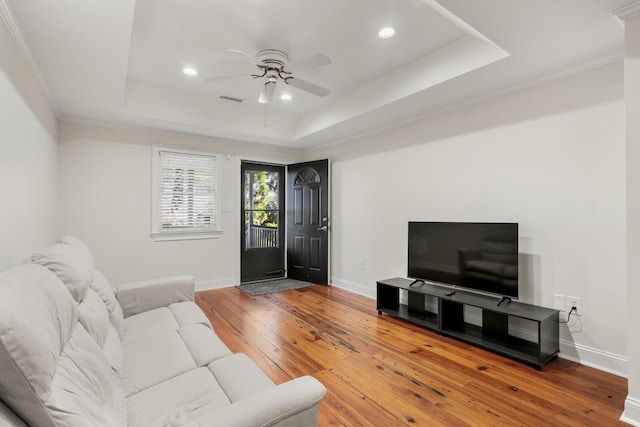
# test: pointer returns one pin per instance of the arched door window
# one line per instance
(307, 176)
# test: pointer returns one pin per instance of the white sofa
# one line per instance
(75, 353)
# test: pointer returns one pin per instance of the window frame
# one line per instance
(159, 235)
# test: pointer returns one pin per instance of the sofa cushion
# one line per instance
(148, 323)
(117, 319)
(70, 265)
(85, 391)
(78, 245)
(93, 315)
(104, 289)
(113, 350)
(239, 377)
(158, 320)
(153, 360)
(173, 398)
(101, 285)
(203, 344)
(37, 318)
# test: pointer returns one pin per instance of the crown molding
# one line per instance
(627, 12)
(14, 29)
(8, 18)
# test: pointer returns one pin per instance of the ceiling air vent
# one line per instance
(230, 98)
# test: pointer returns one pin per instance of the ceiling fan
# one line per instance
(271, 65)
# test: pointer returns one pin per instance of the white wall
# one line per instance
(105, 200)
(632, 99)
(27, 159)
(551, 158)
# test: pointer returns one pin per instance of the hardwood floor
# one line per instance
(380, 371)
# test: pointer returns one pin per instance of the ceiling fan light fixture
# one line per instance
(190, 71)
(267, 93)
(285, 97)
(386, 32)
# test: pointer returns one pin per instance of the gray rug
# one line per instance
(270, 286)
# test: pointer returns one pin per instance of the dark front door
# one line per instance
(308, 221)
(262, 213)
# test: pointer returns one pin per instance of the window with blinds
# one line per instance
(186, 194)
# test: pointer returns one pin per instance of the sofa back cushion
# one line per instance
(98, 310)
(77, 244)
(71, 266)
(98, 283)
(53, 372)
(85, 390)
(93, 315)
(104, 289)
(36, 319)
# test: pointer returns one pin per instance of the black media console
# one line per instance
(433, 307)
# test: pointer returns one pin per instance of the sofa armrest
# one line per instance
(137, 297)
(267, 408)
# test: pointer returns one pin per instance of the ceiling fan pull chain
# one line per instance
(265, 104)
(265, 115)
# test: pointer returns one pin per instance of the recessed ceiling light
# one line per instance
(285, 97)
(190, 71)
(386, 33)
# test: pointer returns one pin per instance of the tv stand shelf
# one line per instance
(429, 306)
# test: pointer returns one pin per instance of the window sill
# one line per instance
(192, 235)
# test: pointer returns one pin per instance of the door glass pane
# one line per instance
(261, 229)
(261, 189)
(261, 204)
(307, 176)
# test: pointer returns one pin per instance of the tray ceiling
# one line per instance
(120, 62)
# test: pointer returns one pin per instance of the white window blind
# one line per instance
(187, 193)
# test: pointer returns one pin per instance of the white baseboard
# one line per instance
(599, 359)
(631, 414)
(356, 288)
(593, 357)
(205, 285)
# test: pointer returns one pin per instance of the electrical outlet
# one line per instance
(576, 302)
(558, 302)
(363, 264)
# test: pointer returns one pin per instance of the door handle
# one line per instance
(323, 228)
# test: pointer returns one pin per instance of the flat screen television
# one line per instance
(473, 255)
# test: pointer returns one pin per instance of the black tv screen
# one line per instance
(479, 256)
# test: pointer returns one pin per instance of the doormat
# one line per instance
(271, 286)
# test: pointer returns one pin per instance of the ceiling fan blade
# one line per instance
(227, 77)
(267, 93)
(307, 86)
(242, 52)
(313, 61)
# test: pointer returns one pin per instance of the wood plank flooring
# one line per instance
(380, 371)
